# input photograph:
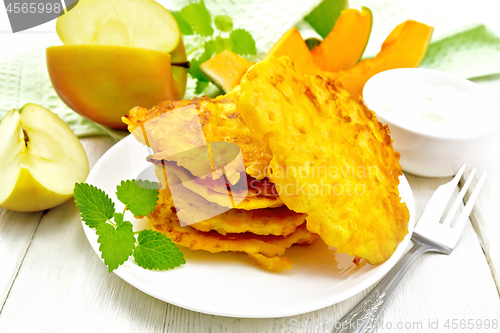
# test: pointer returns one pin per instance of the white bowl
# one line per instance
(426, 152)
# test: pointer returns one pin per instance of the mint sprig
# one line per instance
(155, 251)
(195, 19)
(243, 42)
(198, 17)
(138, 196)
(117, 243)
(223, 23)
(151, 249)
(94, 205)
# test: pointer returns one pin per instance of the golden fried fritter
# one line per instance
(273, 264)
(332, 159)
(269, 221)
(165, 220)
(191, 208)
(220, 122)
(248, 193)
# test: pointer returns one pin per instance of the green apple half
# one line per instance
(40, 160)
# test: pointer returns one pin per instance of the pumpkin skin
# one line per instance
(343, 47)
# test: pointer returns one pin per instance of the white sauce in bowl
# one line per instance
(434, 110)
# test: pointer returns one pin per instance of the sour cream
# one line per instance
(433, 110)
(437, 120)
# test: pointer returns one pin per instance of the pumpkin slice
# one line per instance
(405, 47)
(292, 45)
(225, 69)
(345, 44)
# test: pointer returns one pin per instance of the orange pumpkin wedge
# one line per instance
(225, 69)
(292, 45)
(343, 47)
(405, 47)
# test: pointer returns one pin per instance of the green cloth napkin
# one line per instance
(472, 53)
(461, 44)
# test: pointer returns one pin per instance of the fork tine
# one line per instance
(439, 200)
(468, 207)
(458, 200)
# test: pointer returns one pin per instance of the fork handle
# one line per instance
(364, 316)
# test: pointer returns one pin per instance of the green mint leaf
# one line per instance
(156, 251)
(94, 204)
(116, 244)
(243, 42)
(184, 27)
(139, 196)
(323, 17)
(201, 86)
(118, 218)
(223, 23)
(222, 44)
(198, 17)
(194, 70)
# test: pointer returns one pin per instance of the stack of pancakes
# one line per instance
(216, 197)
(222, 163)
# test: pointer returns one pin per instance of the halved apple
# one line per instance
(40, 160)
(104, 82)
(135, 23)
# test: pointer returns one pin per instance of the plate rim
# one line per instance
(317, 305)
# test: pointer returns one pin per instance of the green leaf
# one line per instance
(139, 196)
(156, 251)
(116, 244)
(94, 204)
(194, 70)
(243, 42)
(223, 23)
(201, 86)
(323, 18)
(208, 50)
(198, 17)
(222, 44)
(184, 27)
(118, 218)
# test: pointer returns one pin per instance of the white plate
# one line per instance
(230, 284)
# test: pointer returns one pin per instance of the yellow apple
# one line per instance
(118, 54)
(40, 160)
(104, 82)
(135, 23)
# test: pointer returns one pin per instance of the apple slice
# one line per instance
(135, 23)
(40, 160)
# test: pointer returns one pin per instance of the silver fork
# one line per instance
(429, 235)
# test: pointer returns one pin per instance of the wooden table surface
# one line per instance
(52, 281)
